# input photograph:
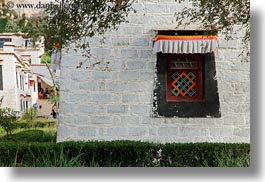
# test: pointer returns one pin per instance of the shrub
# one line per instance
(124, 154)
(47, 158)
(30, 136)
(40, 124)
(51, 123)
(8, 119)
(21, 124)
(36, 124)
(204, 154)
(29, 116)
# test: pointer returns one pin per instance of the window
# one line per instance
(21, 105)
(186, 86)
(3, 40)
(17, 79)
(1, 78)
(27, 105)
(184, 77)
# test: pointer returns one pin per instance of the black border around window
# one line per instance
(209, 106)
(1, 78)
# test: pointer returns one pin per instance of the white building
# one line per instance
(162, 90)
(19, 82)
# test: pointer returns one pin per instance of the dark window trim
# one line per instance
(1, 78)
(209, 106)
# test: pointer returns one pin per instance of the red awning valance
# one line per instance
(179, 44)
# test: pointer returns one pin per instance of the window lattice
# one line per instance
(184, 84)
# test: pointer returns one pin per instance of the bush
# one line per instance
(29, 116)
(124, 154)
(8, 120)
(21, 124)
(30, 136)
(43, 124)
(205, 155)
(36, 124)
(40, 124)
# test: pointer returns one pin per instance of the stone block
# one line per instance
(151, 121)
(136, 65)
(242, 132)
(129, 53)
(148, 53)
(130, 120)
(141, 42)
(147, 76)
(139, 109)
(130, 98)
(103, 98)
(87, 108)
(82, 120)
(99, 75)
(120, 41)
(89, 85)
(189, 132)
(66, 133)
(116, 65)
(168, 131)
(129, 75)
(117, 109)
(101, 120)
(137, 131)
(69, 108)
(80, 75)
(132, 30)
(87, 131)
(237, 76)
(116, 132)
(78, 98)
(101, 52)
(221, 132)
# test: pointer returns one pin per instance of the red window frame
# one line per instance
(196, 70)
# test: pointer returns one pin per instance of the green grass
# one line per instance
(30, 135)
(48, 126)
(51, 130)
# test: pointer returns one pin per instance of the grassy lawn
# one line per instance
(47, 130)
(52, 128)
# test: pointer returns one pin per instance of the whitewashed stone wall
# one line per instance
(115, 104)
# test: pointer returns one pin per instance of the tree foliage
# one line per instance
(73, 21)
(8, 20)
(221, 15)
(8, 120)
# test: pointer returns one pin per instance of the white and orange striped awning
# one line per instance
(179, 44)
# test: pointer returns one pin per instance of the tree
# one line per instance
(8, 120)
(73, 21)
(34, 27)
(8, 20)
(220, 15)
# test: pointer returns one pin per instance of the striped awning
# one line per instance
(178, 44)
(46, 80)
